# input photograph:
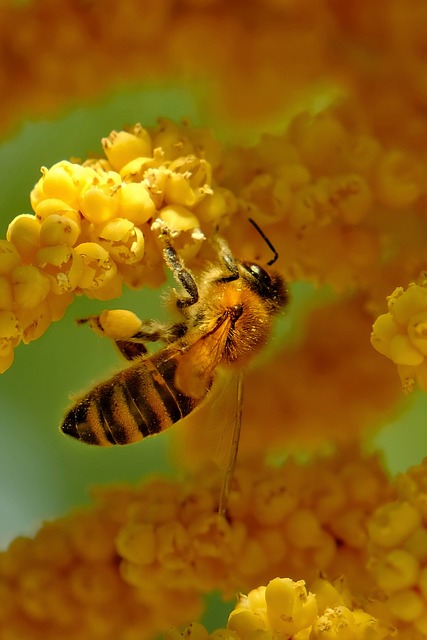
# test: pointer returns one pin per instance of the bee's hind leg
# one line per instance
(129, 333)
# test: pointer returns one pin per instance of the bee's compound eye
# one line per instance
(260, 275)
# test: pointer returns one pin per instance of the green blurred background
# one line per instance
(42, 473)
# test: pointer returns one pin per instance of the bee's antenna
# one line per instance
(267, 241)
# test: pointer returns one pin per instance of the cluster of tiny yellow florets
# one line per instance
(331, 199)
(65, 583)
(146, 555)
(401, 334)
(373, 50)
(285, 609)
(297, 520)
(398, 553)
(91, 230)
(339, 199)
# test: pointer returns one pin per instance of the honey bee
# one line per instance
(227, 317)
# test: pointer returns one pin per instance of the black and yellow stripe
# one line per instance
(138, 402)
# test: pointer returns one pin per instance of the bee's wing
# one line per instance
(230, 437)
(211, 435)
(196, 368)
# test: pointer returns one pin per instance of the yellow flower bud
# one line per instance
(171, 139)
(393, 523)
(402, 351)
(303, 529)
(177, 218)
(216, 205)
(399, 180)
(335, 624)
(34, 322)
(405, 304)
(9, 325)
(30, 286)
(246, 624)
(406, 606)
(58, 304)
(99, 269)
(272, 501)
(63, 266)
(397, 570)
(135, 202)
(98, 200)
(123, 241)
(49, 206)
(62, 181)
(416, 544)
(6, 293)
(420, 624)
(417, 331)
(135, 170)
(24, 233)
(422, 582)
(384, 330)
(188, 181)
(9, 257)
(122, 146)
(289, 607)
(327, 594)
(59, 229)
(309, 205)
(351, 196)
(137, 543)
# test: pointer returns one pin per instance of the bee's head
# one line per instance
(268, 285)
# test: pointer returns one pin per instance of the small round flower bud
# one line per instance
(59, 229)
(393, 523)
(395, 571)
(399, 180)
(289, 607)
(134, 202)
(99, 269)
(121, 147)
(24, 233)
(98, 200)
(61, 181)
(30, 286)
(9, 257)
(63, 266)
(122, 239)
(50, 206)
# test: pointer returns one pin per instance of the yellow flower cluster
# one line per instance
(65, 583)
(141, 558)
(294, 520)
(398, 556)
(338, 200)
(286, 610)
(91, 228)
(375, 51)
(401, 334)
(333, 201)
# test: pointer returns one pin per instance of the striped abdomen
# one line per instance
(140, 401)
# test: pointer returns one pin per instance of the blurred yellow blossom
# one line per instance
(324, 105)
(397, 532)
(136, 549)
